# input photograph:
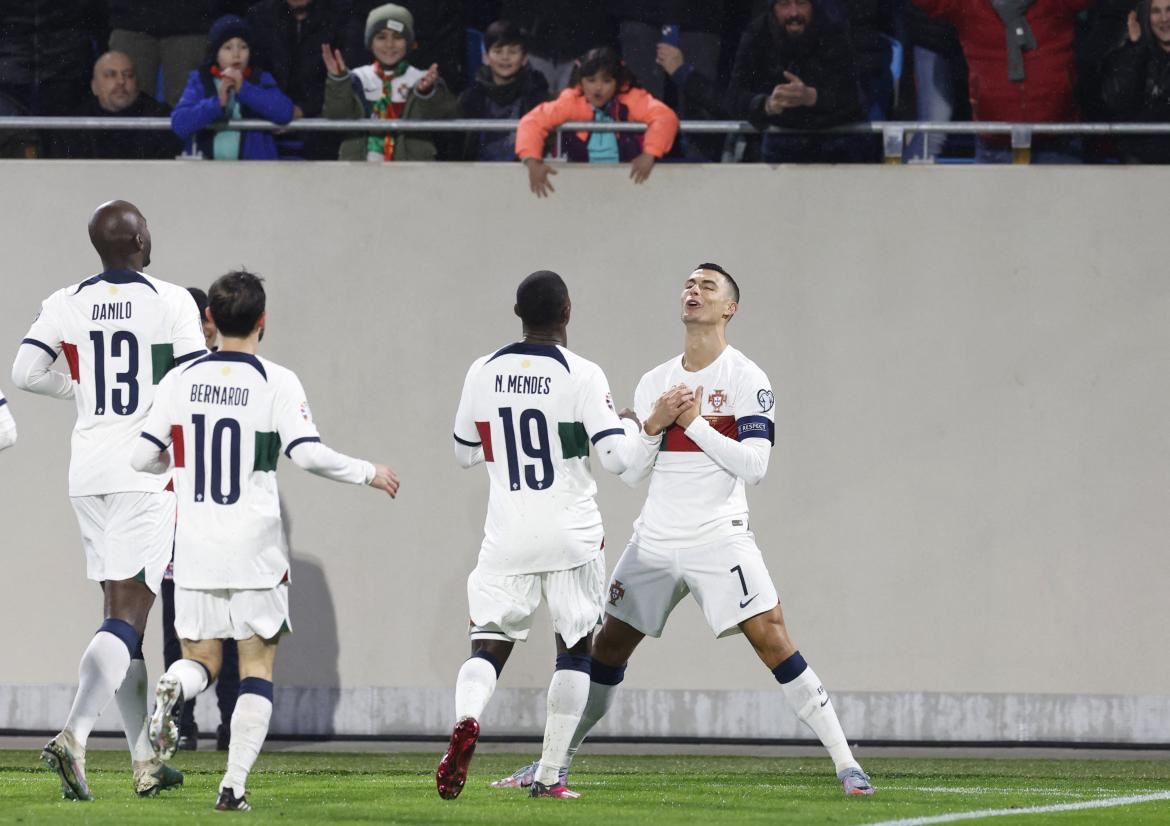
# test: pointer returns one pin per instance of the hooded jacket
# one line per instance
(822, 58)
(1047, 92)
(511, 102)
(1136, 87)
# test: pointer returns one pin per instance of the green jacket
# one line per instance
(352, 97)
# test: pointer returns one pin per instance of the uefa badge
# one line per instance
(766, 400)
(306, 413)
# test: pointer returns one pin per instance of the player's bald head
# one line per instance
(541, 300)
(119, 233)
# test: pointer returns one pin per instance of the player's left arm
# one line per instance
(7, 425)
(617, 440)
(747, 457)
(647, 446)
(294, 423)
(150, 452)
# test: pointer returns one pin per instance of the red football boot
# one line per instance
(452, 771)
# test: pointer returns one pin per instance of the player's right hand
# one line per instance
(385, 479)
(667, 409)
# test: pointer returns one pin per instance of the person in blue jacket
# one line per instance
(226, 89)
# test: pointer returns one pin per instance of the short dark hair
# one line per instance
(716, 268)
(200, 301)
(541, 299)
(504, 33)
(603, 59)
(237, 302)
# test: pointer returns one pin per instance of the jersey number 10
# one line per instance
(224, 429)
(535, 447)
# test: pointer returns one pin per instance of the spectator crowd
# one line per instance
(802, 64)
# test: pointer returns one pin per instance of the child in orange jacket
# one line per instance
(601, 89)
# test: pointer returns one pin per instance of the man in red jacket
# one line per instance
(1022, 67)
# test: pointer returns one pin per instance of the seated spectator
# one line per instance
(603, 90)
(1136, 81)
(1022, 68)
(287, 39)
(167, 33)
(116, 95)
(506, 87)
(226, 89)
(387, 89)
(794, 69)
(559, 31)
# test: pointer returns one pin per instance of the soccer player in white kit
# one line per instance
(7, 425)
(531, 411)
(224, 419)
(710, 435)
(120, 331)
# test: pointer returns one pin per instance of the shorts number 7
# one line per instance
(742, 581)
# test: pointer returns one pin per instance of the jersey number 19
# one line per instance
(535, 446)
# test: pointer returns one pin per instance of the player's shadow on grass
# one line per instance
(308, 685)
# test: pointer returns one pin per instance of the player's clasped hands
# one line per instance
(385, 479)
(669, 407)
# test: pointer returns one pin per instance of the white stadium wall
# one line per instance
(967, 512)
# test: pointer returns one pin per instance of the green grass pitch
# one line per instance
(296, 788)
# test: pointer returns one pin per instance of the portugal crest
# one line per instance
(616, 592)
(717, 399)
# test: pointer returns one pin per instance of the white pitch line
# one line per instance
(1108, 802)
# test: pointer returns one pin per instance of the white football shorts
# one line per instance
(228, 614)
(729, 579)
(501, 606)
(127, 535)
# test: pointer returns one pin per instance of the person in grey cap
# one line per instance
(389, 88)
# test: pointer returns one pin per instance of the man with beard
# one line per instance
(116, 94)
(795, 68)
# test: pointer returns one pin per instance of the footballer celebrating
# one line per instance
(707, 431)
(531, 411)
(225, 418)
(121, 331)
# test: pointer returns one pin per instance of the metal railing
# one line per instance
(893, 133)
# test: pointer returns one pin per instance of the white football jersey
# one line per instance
(535, 409)
(226, 417)
(692, 500)
(121, 332)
